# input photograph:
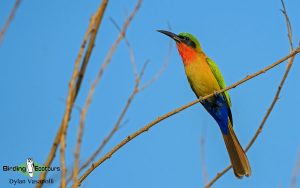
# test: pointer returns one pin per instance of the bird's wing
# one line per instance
(218, 75)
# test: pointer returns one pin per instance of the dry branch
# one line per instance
(137, 89)
(9, 19)
(258, 131)
(202, 156)
(296, 172)
(75, 85)
(165, 116)
(74, 93)
(130, 49)
(162, 68)
(94, 85)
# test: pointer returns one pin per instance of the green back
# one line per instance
(218, 75)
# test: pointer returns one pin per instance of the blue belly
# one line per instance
(218, 109)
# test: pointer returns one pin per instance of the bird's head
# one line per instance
(187, 44)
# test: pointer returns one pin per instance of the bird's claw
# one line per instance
(201, 99)
(216, 94)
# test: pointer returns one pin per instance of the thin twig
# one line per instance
(163, 66)
(120, 37)
(288, 26)
(94, 31)
(135, 91)
(63, 182)
(202, 155)
(117, 125)
(80, 132)
(130, 49)
(165, 116)
(258, 131)
(296, 172)
(276, 97)
(74, 87)
(132, 59)
(9, 19)
(70, 103)
(98, 78)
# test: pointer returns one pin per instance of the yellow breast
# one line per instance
(201, 77)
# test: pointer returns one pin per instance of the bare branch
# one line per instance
(276, 97)
(130, 49)
(296, 172)
(9, 19)
(121, 36)
(77, 77)
(98, 78)
(162, 68)
(288, 25)
(202, 156)
(98, 18)
(118, 123)
(167, 115)
(258, 131)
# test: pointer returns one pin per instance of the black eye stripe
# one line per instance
(191, 43)
(188, 41)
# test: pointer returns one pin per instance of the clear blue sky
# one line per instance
(37, 58)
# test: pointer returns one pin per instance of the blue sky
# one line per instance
(37, 57)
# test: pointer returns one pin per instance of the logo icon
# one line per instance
(30, 167)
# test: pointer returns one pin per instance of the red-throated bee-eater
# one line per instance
(205, 78)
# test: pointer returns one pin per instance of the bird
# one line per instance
(205, 78)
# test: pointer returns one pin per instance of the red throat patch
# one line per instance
(187, 53)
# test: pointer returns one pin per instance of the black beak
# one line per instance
(170, 34)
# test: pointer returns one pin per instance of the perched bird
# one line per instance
(205, 78)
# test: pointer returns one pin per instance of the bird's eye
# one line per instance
(188, 41)
(191, 43)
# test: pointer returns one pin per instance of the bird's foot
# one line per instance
(201, 99)
(216, 94)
